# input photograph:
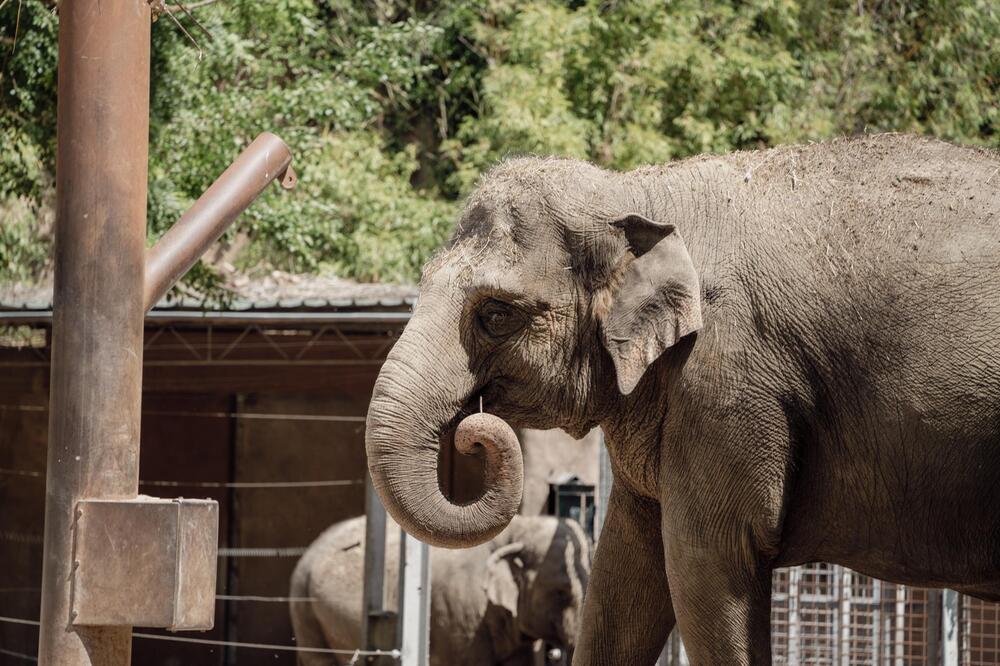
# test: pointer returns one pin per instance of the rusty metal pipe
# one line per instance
(102, 291)
(96, 380)
(264, 160)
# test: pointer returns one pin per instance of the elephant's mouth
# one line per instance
(488, 397)
(497, 396)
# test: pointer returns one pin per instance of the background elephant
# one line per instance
(794, 355)
(488, 603)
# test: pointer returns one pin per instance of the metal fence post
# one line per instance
(899, 635)
(933, 606)
(96, 384)
(377, 629)
(415, 604)
(604, 479)
(877, 621)
(845, 616)
(793, 616)
(92, 595)
(950, 600)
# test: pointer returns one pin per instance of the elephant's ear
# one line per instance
(503, 574)
(655, 302)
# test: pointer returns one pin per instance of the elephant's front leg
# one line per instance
(721, 596)
(627, 614)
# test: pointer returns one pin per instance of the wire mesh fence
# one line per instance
(827, 615)
(980, 632)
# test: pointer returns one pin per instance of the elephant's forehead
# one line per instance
(527, 249)
(527, 276)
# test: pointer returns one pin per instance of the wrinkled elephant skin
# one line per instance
(488, 603)
(794, 355)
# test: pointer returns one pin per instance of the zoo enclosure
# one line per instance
(827, 615)
(260, 407)
(224, 393)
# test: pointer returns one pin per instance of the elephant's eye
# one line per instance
(500, 319)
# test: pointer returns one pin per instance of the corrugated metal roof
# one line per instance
(277, 292)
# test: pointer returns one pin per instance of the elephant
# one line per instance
(794, 355)
(488, 603)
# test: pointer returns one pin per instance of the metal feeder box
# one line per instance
(146, 562)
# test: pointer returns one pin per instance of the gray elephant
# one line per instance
(488, 603)
(794, 355)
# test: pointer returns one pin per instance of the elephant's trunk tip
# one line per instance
(419, 506)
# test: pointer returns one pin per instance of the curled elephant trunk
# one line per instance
(418, 395)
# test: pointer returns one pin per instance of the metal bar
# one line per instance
(933, 605)
(276, 317)
(950, 601)
(232, 564)
(96, 376)
(209, 364)
(264, 160)
(877, 622)
(400, 588)
(374, 583)
(793, 615)
(604, 480)
(837, 599)
(899, 638)
(164, 317)
(415, 605)
(845, 616)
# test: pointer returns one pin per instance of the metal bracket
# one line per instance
(146, 562)
(289, 179)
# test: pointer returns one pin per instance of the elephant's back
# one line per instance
(872, 204)
(331, 574)
(889, 245)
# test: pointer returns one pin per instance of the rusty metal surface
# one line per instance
(102, 134)
(197, 565)
(264, 160)
(146, 562)
(101, 280)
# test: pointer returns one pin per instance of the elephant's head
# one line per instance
(535, 582)
(559, 288)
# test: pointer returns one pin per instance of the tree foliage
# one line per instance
(393, 108)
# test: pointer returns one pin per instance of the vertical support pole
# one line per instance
(674, 645)
(837, 597)
(793, 615)
(373, 608)
(877, 622)
(845, 616)
(950, 618)
(232, 610)
(604, 479)
(933, 606)
(96, 384)
(899, 639)
(415, 605)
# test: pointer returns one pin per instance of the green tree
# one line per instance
(393, 109)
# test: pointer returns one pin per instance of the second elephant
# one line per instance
(488, 603)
